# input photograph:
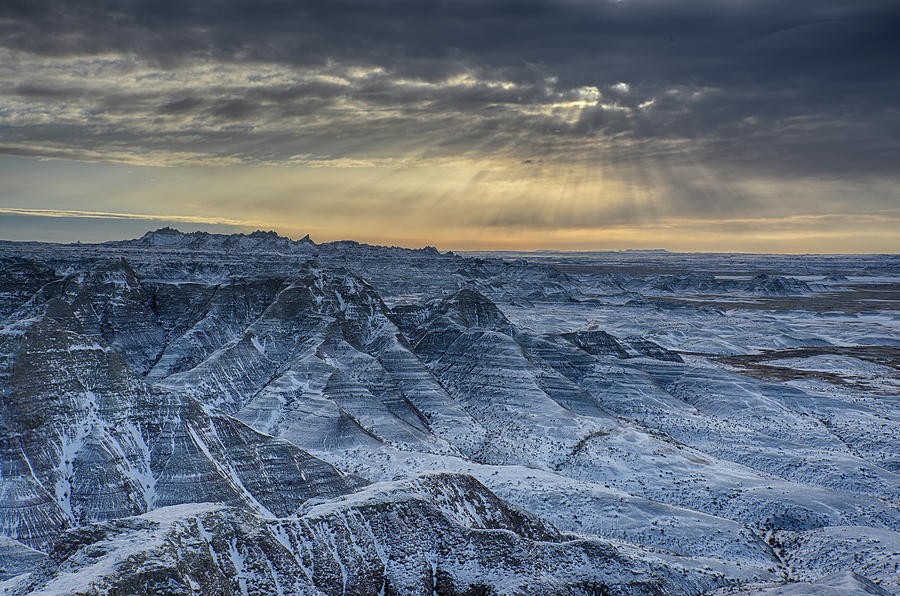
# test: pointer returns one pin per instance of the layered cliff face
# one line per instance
(20, 278)
(278, 378)
(323, 365)
(85, 438)
(17, 558)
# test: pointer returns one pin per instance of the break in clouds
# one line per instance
(691, 103)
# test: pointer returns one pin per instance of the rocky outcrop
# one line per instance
(596, 342)
(441, 533)
(775, 285)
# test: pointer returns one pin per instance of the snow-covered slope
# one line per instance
(732, 426)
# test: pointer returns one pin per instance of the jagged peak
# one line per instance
(260, 234)
(163, 230)
(199, 240)
(471, 308)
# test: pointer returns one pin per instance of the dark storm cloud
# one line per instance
(571, 37)
(38, 91)
(805, 87)
(180, 106)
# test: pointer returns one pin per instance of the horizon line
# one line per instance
(467, 251)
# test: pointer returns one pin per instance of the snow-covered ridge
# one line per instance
(427, 536)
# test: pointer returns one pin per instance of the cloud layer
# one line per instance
(621, 112)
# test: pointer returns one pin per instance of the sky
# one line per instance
(695, 125)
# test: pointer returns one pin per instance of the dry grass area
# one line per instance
(755, 365)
